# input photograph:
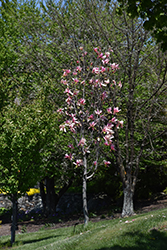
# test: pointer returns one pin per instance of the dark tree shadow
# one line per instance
(155, 240)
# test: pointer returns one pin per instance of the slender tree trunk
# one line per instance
(84, 196)
(128, 209)
(14, 218)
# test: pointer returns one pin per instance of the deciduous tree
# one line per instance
(90, 87)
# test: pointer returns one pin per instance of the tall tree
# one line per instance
(19, 148)
(143, 69)
(89, 120)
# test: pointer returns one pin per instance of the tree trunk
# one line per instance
(14, 218)
(128, 202)
(43, 195)
(50, 199)
(84, 196)
(50, 196)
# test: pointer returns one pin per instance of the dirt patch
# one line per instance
(34, 226)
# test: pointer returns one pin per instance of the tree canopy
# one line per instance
(154, 14)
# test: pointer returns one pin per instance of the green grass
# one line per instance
(140, 232)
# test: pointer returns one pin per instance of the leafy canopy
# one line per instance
(154, 14)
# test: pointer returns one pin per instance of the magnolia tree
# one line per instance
(89, 112)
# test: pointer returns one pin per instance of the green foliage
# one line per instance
(154, 15)
(3, 211)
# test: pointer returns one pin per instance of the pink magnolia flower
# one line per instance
(116, 110)
(81, 48)
(91, 117)
(102, 117)
(108, 139)
(112, 147)
(106, 163)
(69, 100)
(69, 156)
(91, 81)
(107, 81)
(74, 119)
(108, 129)
(71, 146)
(106, 143)
(82, 142)
(103, 69)
(86, 150)
(75, 80)
(120, 84)
(98, 112)
(62, 127)
(119, 123)
(92, 125)
(100, 55)
(72, 127)
(114, 120)
(95, 163)
(81, 102)
(66, 72)
(76, 92)
(114, 82)
(96, 70)
(78, 68)
(60, 110)
(68, 91)
(104, 95)
(101, 84)
(78, 163)
(106, 61)
(107, 54)
(114, 66)
(109, 110)
(74, 73)
(83, 82)
(96, 50)
(64, 82)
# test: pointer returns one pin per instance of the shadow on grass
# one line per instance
(41, 239)
(23, 242)
(155, 240)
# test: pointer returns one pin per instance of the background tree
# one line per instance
(28, 78)
(143, 77)
(19, 148)
(154, 15)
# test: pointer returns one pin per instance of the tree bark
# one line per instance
(50, 199)
(84, 196)
(128, 209)
(43, 195)
(14, 218)
(50, 196)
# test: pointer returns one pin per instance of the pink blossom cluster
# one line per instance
(105, 61)
(84, 103)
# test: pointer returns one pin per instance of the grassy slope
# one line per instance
(140, 232)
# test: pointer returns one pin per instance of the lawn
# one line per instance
(140, 232)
